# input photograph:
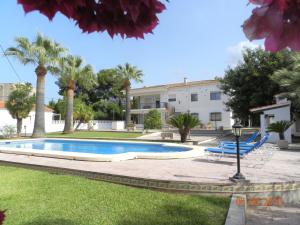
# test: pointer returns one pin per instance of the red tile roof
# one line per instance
(2, 105)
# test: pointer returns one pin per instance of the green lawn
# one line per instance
(39, 198)
(96, 134)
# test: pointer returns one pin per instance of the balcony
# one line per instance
(153, 105)
(143, 108)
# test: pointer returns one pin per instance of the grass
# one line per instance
(39, 198)
(96, 134)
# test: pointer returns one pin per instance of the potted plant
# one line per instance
(280, 127)
(184, 122)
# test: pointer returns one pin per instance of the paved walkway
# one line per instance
(294, 146)
(274, 215)
(156, 136)
(267, 165)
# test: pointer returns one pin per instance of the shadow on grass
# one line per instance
(42, 221)
(178, 215)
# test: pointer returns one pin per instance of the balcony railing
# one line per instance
(153, 105)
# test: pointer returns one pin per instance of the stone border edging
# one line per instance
(192, 187)
(237, 210)
(273, 194)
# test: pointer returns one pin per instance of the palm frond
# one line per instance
(72, 68)
(129, 72)
(279, 126)
(41, 51)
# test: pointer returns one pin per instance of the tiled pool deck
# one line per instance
(266, 166)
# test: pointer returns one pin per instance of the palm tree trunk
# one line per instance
(69, 108)
(183, 137)
(128, 116)
(39, 121)
(281, 135)
(19, 126)
(78, 125)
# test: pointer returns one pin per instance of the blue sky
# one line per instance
(195, 39)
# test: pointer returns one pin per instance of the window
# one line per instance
(269, 119)
(195, 115)
(216, 116)
(216, 95)
(194, 97)
(172, 98)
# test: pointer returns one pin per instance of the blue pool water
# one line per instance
(92, 146)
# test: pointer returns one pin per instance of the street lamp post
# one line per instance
(237, 131)
(25, 130)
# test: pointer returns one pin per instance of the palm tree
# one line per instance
(128, 73)
(42, 53)
(72, 72)
(289, 79)
(280, 127)
(20, 103)
(184, 122)
(82, 113)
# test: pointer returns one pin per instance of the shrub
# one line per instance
(280, 127)
(8, 131)
(153, 120)
(184, 122)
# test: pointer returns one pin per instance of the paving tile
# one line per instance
(289, 215)
(274, 166)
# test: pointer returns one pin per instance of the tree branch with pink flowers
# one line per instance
(275, 21)
(128, 18)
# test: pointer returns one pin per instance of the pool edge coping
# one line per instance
(195, 151)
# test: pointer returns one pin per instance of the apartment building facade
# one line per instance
(203, 99)
(7, 88)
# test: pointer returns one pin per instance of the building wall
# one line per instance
(279, 114)
(296, 128)
(204, 106)
(6, 119)
(5, 89)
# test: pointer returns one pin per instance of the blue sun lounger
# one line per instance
(231, 149)
(247, 145)
(248, 140)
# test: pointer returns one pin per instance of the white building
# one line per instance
(28, 123)
(274, 113)
(6, 89)
(203, 99)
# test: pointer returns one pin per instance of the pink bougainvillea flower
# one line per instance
(2, 217)
(128, 18)
(276, 21)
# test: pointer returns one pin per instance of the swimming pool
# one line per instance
(93, 147)
(96, 150)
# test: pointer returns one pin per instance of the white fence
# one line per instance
(97, 125)
(58, 125)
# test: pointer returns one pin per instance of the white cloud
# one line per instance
(235, 52)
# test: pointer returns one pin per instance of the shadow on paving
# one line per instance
(45, 221)
(177, 215)
(288, 215)
(222, 161)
